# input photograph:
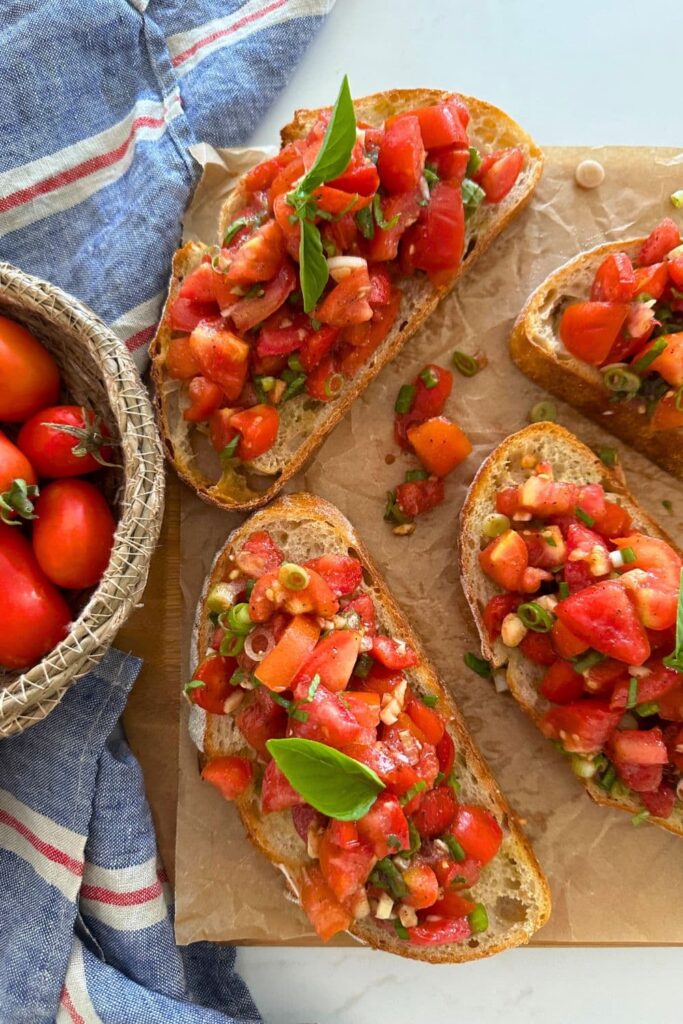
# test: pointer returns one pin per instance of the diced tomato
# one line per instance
(652, 280)
(603, 615)
(259, 258)
(588, 557)
(304, 817)
(445, 753)
(565, 642)
(439, 124)
(316, 346)
(546, 547)
(645, 746)
(439, 444)
(590, 329)
(427, 720)
(436, 812)
(258, 178)
(544, 497)
(667, 415)
(422, 885)
(393, 654)
(380, 286)
(315, 597)
(452, 905)
(230, 775)
(641, 778)
(601, 679)
(325, 382)
(651, 553)
(361, 178)
(418, 496)
(347, 303)
(655, 596)
(344, 834)
(342, 573)
(205, 397)
(499, 172)
(179, 361)
(399, 211)
(660, 804)
(669, 364)
(378, 328)
(381, 680)
(439, 931)
(221, 433)
(478, 832)
(251, 311)
(198, 286)
(283, 333)
(401, 157)
(671, 703)
(278, 669)
(365, 708)
(284, 180)
(651, 687)
(363, 607)
(341, 236)
(185, 314)
(345, 871)
(450, 163)
(505, 559)
(583, 727)
(614, 521)
(258, 426)
(328, 720)
(333, 659)
(276, 792)
(497, 608)
(282, 211)
(538, 647)
(676, 272)
(615, 279)
(427, 403)
(259, 555)
(661, 240)
(337, 202)
(438, 239)
(561, 684)
(385, 826)
(261, 720)
(215, 673)
(222, 357)
(320, 905)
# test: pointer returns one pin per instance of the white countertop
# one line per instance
(591, 72)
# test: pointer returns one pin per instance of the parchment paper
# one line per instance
(611, 882)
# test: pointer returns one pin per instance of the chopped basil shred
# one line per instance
(416, 474)
(675, 660)
(632, 696)
(392, 512)
(454, 846)
(231, 447)
(474, 162)
(478, 665)
(584, 517)
(472, 196)
(609, 456)
(193, 684)
(641, 365)
(429, 699)
(365, 222)
(385, 225)
(640, 817)
(587, 660)
(237, 225)
(405, 398)
(417, 787)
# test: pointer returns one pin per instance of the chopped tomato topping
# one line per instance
(590, 329)
(342, 573)
(436, 812)
(605, 617)
(401, 157)
(478, 832)
(278, 669)
(661, 240)
(439, 444)
(205, 397)
(393, 654)
(230, 775)
(418, 496)
(582, 727)
(615, 279)
(505, 559)
(561, 684)
(385, 826)
(321, 906)
(276, 792)
(422, 885)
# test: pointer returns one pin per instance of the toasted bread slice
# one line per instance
(572, 461)
(512, 885)
(537, 350)
(303, 428)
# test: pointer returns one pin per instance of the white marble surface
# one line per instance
(577, 72)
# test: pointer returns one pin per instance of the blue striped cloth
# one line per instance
(100, 100)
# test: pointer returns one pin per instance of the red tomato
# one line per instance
(214, 672)
(378, 328)
(333, 659)
(222, 357)
(583, 727)
(561, 684)
(185, 314)
(198, 285)
(400, 211)
(205, 397)
(283, 333)
(385, 826)
(538, 647)
(324, 383)
(661, 240)
(338, 203)
(429, 722)
(644, 746)
(602, 678)
(603, 615)
(546, 498)
(671, 703)
(258, 427)
(315, 597)
(439, 123)
(478, 832)
(230, 775)
(505, 559)
(615, 279)
(445, 753)
(258, 258)
(418, 496)
(73, 533)
(565, 643)
(80, 449)
(450, 163)
(642, 778)
(439, 931)
(278, 669)
(283, 181)
(655, 596)
(452, 905)
(261, 720)
(251, 311)
(651, 554)
(590, 329)
(652, 280)
(29, 374)
(380, 286)
(676, 271)
(33, 613)
(261, 176)
(499, 172)
(439, 444)
(316, 346)
(422, 885)
(329, 719)
(347, 303)
(359, 178)
(221, 433)
(427, 403)
(363, 606)
(14, 465)
(393, 654)
(614, 521)
(669, 364)
(344, 870)
(651, 687)
(179, 362)
(320, 905)
(546, 547)
(588, 557)
(276, 792)
(401, 157)
(436, 812)
(497, 608)
(342, 573)
(660, 803)
(438, 239)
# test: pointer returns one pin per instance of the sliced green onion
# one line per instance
(415, 838)
(249, 587)
(454, 782)
(267, 383)
(587, 660)
(239, 619)
(237, 225)
(220, 598)
(584, 517)
(363, 666)
(312, 689)
(642, 364)
(640, 817)
(618, 790)
(543, 411)
(293, 576)
(563, 590)
(416, 474)
(616, 378)
(294, 387)
(294, 363)
(429, 699)
(632, 697)
(677, 198)
(401, 930)
(465, 364)
(479, 919)
(495, 524)
(646, 709)
(231, 447)
(535, 617)
(392, 512)
(389, 877)
(240, 676)
(333, 385)
(583, 767)
(454, 846)
(474, 162)
(193, 684)
(609, 456)
(232, 644)
(417, 787)
(478, 665)
(606, 781)
(405, 398)
(429, 378)
(472, 196)
(628, 555)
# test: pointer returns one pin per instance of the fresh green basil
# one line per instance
(675, 660)
(331, 782)
(472, 195)
(382, 223)
(337, 146)
(312, 265)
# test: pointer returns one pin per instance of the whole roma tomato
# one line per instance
(73, 533)
(65, 440)
(29, 374)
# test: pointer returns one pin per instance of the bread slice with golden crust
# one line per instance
(303, 428)
(512, 885)
(537, 350)
(572, 461)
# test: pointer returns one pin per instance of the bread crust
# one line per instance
(479, 501)
(574, 381)
(491, 126)
(298, 507)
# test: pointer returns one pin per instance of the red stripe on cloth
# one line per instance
(82, 170)
(121, 899)
(180, 58)
(47, 849)
(70, 1008)
(141, 337)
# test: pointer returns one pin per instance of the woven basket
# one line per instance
(98, 371)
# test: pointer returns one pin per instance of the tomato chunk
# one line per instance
(615, 279)
(501, 174)
(179, 360)
(422, 885)
(276, 792)
(604, 616)
(661, 240)
(399, 212)
(440, 125)
(215, 673)
(640, 746)
(561, 684)
(478, 832)
(385, 826)
(230, 775)
(669, 364)
(583, 727)
(505, 559)
(344, 870)
(327, 719)
(438, 239)
(393, 654)
(222, 357)
(347, 303)
(401, 157)
(436, 812)
(205, 397)
(333, 659)
(439, 444)
(278, 669)
(342, 573)
(258, 426)
(251, 311)
(321, 906)
(589, 329)
(439, 931)
(261, 720)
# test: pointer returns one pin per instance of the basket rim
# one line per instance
(41, 687)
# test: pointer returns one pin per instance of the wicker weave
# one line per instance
(98, 370)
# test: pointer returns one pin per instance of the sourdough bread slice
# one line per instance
(512, 885)
(302, 427)
(573, 462)
(537, 350)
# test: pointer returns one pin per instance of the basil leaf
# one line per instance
(675, 660)
(340, 138)
(331, 782)
(312, 265)
(472, 196)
